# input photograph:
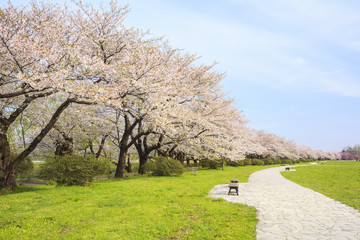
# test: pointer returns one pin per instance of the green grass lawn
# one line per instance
(139, 207)
(339, 180)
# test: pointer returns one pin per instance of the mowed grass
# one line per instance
(140, 207)
(339, 180)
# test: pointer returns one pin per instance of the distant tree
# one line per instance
(351, 153)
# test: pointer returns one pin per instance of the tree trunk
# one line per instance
(128, 166)
(101, 147)
(142, 160)
(120, 169)
(64, 146)
(7, 173)
(181, 157)
(144, 151)
(124, 145)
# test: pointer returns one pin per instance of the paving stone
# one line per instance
(289, 211)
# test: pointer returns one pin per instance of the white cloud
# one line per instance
(303, 59)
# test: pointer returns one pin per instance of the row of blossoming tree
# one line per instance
(351, 153)
(78, 80)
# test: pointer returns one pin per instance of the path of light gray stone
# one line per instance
(288, 211)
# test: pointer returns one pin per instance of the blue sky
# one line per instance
(292, 65)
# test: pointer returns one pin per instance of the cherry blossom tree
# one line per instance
(46, 50)
(36, 46)
(203, 124)
(352, 153)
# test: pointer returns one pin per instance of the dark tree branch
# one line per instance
(18, 111)
(91, 147)
(43, 132)
(101, 147)
(136, 137)
(24, 92)
(23, 106)
(12, 54)
(201, 132)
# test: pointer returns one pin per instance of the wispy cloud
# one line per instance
(288, 44)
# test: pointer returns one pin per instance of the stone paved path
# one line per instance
(289, 211)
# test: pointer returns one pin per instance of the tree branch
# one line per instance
(137, 137)
(43, 133)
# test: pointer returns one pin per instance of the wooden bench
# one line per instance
(234, 186)
(287, 169)
(234, 180)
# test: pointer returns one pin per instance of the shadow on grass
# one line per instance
(21, 189)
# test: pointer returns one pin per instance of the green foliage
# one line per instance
(211, 163)
(234, 163)
(25, 168)
(47, 212)
(241, 163)
(164, 166)
(339, 180)
(268, 161)
(257, 162)
(286, 161)
(306, 160)
(74, 169)
(253, 161)
(247, 161)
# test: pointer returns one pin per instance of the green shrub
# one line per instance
(276, 161)
(268, 161)
(233, 163)
(305, 160)
(74, 169)
(164, 166)
(211, 163)
(247, 161)
(25, 168)
(241, 163)
(257, 162)
(286, 161)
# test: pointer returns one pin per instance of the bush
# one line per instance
(164, 166)
(257, 162)
(25, 168)
(276, 161)
(247, 161)
(211, 163)
(233, 163)
(286, 161)
(74, 169)
(268, 161)
(241, 163)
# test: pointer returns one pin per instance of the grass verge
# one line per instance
(140, 207)
(339, 180)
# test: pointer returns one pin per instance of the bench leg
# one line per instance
(236, 189)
